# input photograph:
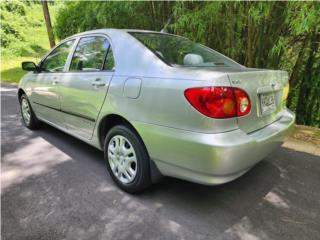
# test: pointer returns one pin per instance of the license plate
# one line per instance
(267, 102)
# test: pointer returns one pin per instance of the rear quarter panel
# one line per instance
(162, 102)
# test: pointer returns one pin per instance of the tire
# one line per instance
(121, 148)
(28, 117)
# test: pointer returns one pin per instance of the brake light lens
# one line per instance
(219, 102)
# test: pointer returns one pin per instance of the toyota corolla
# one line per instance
(158, 104)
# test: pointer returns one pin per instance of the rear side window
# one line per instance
(90, 54)
(180, 52)
(56, 60)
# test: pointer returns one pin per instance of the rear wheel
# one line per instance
(29, 118)
(127, 159)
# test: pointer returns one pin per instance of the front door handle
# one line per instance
(55, 81)
(98, 83)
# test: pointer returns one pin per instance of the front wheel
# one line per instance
(29, 118)
(127, 159)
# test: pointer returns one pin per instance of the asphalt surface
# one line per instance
(56, 187)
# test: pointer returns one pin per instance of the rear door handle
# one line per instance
(98, 83)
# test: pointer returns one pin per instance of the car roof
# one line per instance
(132, 58)
(112, 31)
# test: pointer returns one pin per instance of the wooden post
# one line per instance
(48, 23)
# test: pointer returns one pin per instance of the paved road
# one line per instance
(56, 187)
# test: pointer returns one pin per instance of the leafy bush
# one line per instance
(81, 16)
(23, 35)
(14, 6)
(23, 28)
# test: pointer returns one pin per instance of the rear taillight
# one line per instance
(242, 101)
(219, 102)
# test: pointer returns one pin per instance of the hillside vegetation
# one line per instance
(23, 36)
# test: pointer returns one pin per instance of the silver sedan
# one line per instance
(158, 105)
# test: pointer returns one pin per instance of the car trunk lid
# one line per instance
(265, 89)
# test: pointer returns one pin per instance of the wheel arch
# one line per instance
(20, 92)
(111, 120)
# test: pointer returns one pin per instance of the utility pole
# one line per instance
(48, 23)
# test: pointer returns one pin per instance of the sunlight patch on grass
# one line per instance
(11, 68)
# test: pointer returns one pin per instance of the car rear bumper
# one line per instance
(212, 158)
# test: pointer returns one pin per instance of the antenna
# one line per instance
(164, 29)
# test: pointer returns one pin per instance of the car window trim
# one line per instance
(74, 50)
(105, 59)
(55, 47)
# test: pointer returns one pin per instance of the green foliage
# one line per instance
(14, 6)
(23, 31)
(81, 16)
(23, 36)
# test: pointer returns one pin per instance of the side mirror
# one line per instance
(29, 66)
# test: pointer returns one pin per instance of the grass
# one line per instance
(11, 68)
(34, 45)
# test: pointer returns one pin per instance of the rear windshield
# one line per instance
(180, 52)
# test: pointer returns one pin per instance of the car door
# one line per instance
(45, 94)
(84, 87)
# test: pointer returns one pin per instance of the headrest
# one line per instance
(159, 53)
(192, 59)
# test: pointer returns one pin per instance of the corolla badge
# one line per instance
(236, 81)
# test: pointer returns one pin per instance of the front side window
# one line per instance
(180, 52)
(57, 58)
(90, 54)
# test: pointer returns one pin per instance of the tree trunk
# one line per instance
(48, 23)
